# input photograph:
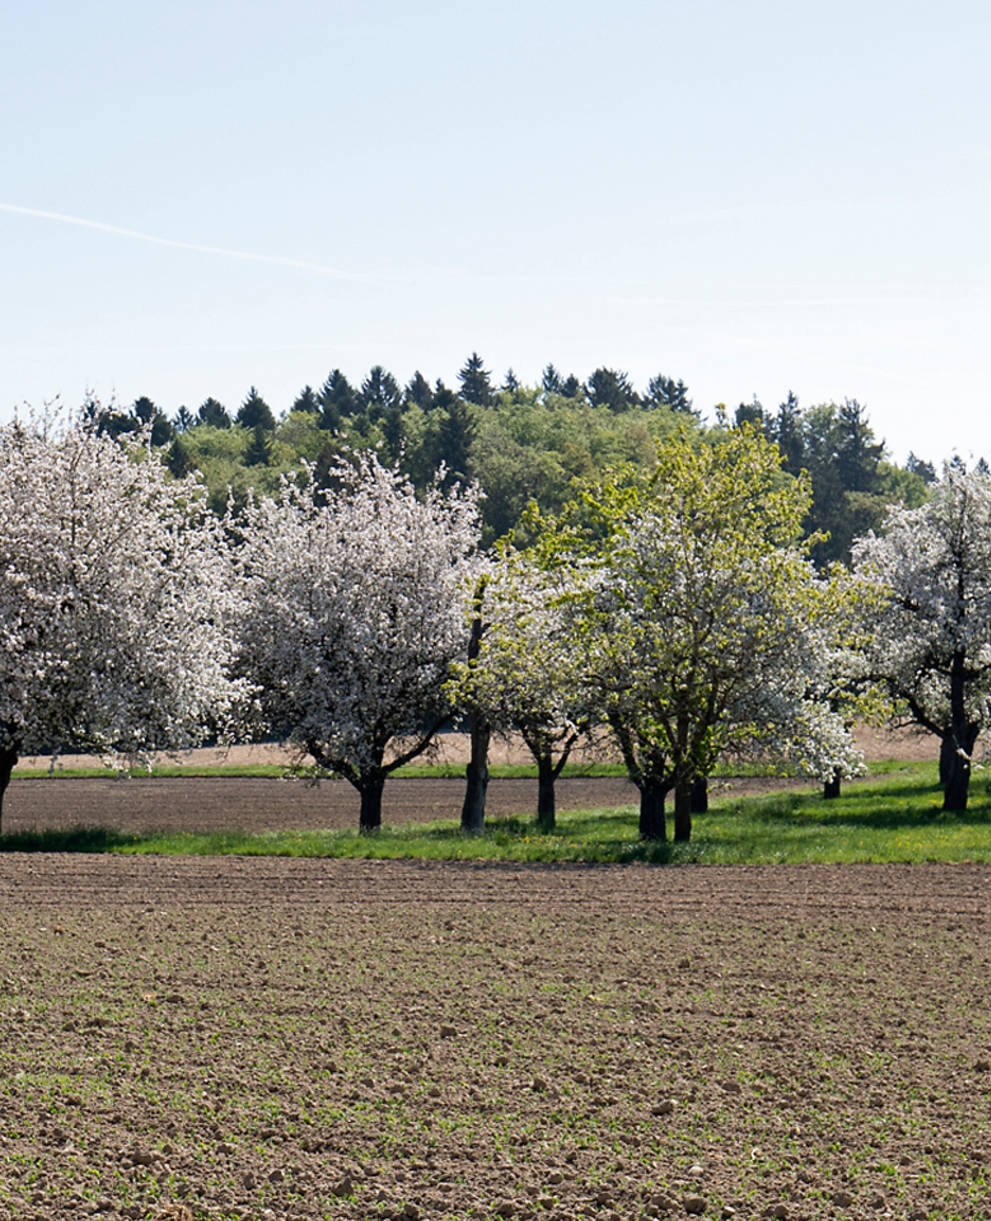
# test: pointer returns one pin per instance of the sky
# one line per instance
(754, 197)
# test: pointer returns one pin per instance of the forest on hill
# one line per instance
(521, 443)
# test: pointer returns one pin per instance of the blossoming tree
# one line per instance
(528, 673)
(115, 602)
(930, 638)
(696, 617)
(354, 613)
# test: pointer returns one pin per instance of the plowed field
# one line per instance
(272, 1039)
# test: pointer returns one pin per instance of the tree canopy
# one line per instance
(116, 607)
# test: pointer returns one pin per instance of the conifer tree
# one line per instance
(475, 384)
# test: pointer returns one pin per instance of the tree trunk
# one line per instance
(370, 786)
(947, 753)
(700, 795)
(545, 793)
(477, 777)
(957, 784)
(8, 759)
(831, 787)
(652, 823)
(962, 737)
(477, 771)
(683, 811)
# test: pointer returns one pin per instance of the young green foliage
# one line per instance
(697, 616)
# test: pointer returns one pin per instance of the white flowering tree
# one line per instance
(930, 638)
(528, 673)
(115, 602)
(354, 613)
(696, 618)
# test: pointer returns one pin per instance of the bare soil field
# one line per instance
(271, 1038)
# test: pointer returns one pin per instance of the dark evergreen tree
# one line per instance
(511, 383)
(751, 413)
(338, 401)
(392, 433)
(259, 449)
(455, 431)
(214, 414)
(858, 455)
(418, 391)
(379, 394)
(255, 412)
(571, 388)
(110, 422)
(666, 392)
(550, 382)
(788, 434)
(144, 410)
(476, 386)
(306, 401)
(612, 389)
(919, 466)
(146, 413)
(178, 459)
(183, 419)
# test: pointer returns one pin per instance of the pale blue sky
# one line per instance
(754, 197)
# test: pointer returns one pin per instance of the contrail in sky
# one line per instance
(278, 260)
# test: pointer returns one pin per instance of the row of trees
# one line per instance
(521, 443)
(676, 610)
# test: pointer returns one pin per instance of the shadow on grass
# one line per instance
(889, 809)
(78, 838)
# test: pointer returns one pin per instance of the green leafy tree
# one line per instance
(695, 616)
(526, 671)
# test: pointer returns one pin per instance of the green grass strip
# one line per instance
(895, 819)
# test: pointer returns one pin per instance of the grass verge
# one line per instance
(893, 819)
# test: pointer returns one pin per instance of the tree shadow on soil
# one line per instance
(77, 838)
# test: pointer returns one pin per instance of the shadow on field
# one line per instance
(67, 839)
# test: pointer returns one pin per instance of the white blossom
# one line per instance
(930, 638)
(115, 602)
(354, 615)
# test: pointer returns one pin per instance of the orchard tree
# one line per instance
(527, 672)
(930, 639)
(115, 599)
(353, 615)
(695, 616)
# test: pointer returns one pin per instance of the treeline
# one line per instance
(520, 443)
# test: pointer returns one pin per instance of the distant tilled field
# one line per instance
(269, 1038)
